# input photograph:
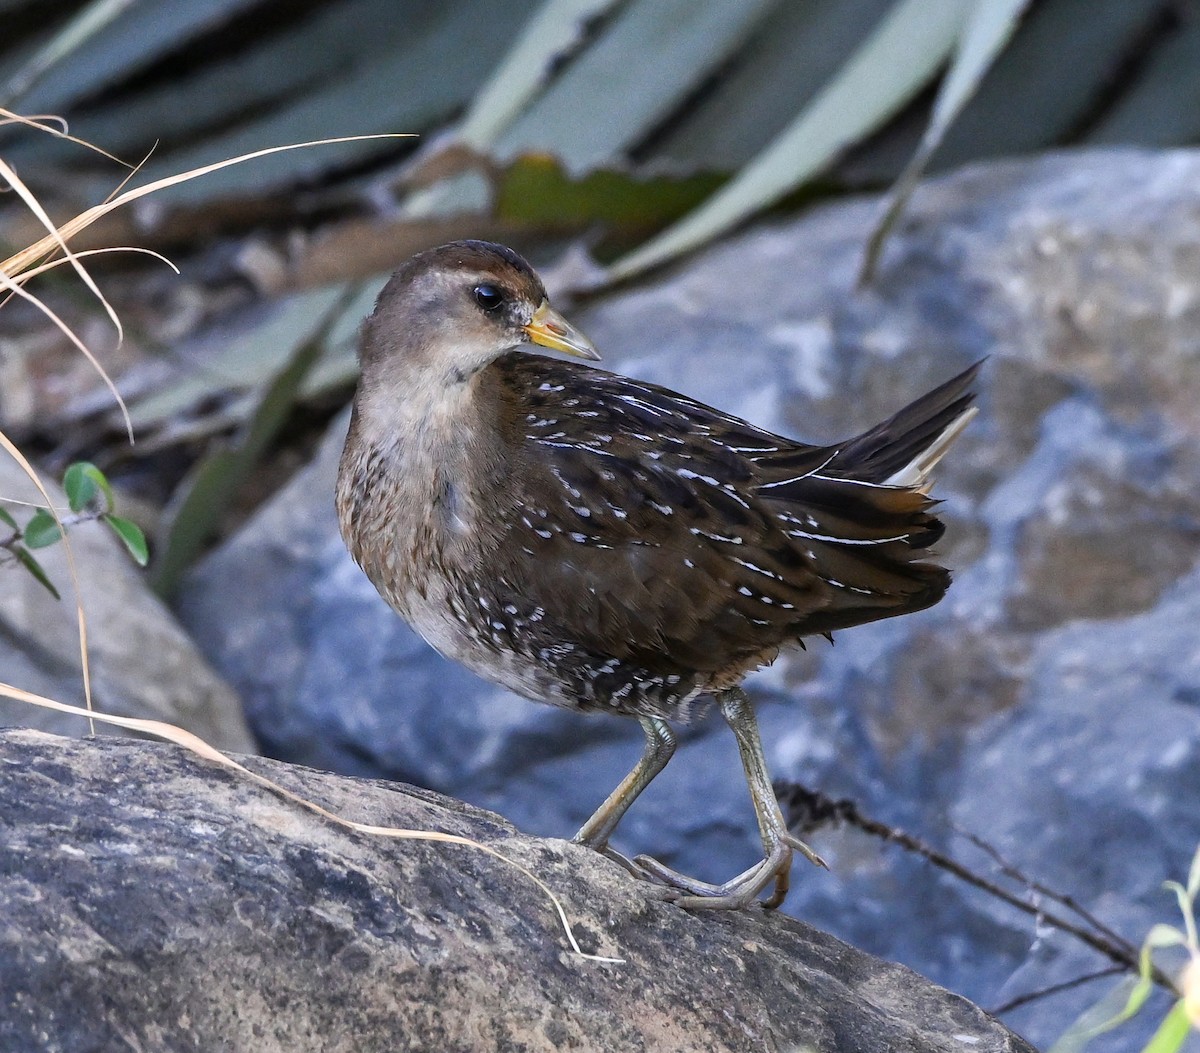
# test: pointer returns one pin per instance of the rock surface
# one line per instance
(1049, 704)
(142, 663)
(196, 910)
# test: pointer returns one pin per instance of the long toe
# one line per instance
(665, 875)
(736, 893)
(634, 866)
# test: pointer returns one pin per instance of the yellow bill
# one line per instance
(551, 329)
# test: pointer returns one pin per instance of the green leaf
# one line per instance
(1181, 897)
(535, 189)
(895, 62)
(35, 568)
(42, 530)
(7, 519)
(1171, 1032)
(132, 537)
(1164, 936)
(83, 481)
(1193, 881)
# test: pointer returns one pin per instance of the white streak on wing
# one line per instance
(814, 473)
(717, 537)
(845, 540)
(758, 570)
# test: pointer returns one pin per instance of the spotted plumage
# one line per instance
(605, 544)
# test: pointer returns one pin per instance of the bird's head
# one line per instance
(450, 311)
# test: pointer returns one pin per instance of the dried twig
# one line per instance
(808, 810)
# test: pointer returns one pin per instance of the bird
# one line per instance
(608, 545)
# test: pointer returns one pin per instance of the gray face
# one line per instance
(448, 312)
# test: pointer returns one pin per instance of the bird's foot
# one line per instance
(694, 894)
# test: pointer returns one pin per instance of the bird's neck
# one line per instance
(416, 459)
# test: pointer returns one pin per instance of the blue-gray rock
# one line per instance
(1043, 705)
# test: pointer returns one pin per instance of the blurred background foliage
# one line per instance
(627, 131)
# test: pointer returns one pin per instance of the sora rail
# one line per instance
(611, 546)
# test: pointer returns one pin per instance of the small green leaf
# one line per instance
(1165, 936)
(7, 519)
(35, 568)
(42, 530)
(132, 537)
(1193, 882)
(83, 481)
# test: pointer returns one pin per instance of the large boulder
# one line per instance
(197, 910)
(1049, 704)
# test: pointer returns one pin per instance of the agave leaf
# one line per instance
(121, 43)
(555, 29)
(987, 30)
(1033, 97)
(899, 58)
(86, 22)
(248, 360)
(259, 79)
(794, 51)
(536, 190)
(654, 54)
(432, 70)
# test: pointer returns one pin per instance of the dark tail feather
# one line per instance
(924, 427)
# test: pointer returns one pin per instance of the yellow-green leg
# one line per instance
(778, 843)
(658, 750)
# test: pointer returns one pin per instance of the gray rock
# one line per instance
(1073, 509)
(142, 663)
(196, 910)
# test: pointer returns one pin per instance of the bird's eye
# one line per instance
(488, 297)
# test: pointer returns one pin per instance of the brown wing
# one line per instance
(664, 533)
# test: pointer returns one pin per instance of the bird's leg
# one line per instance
(778, 843)
(659, 748)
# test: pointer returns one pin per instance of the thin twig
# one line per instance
(1010, 870)
(813, 809)
(1053, 989)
